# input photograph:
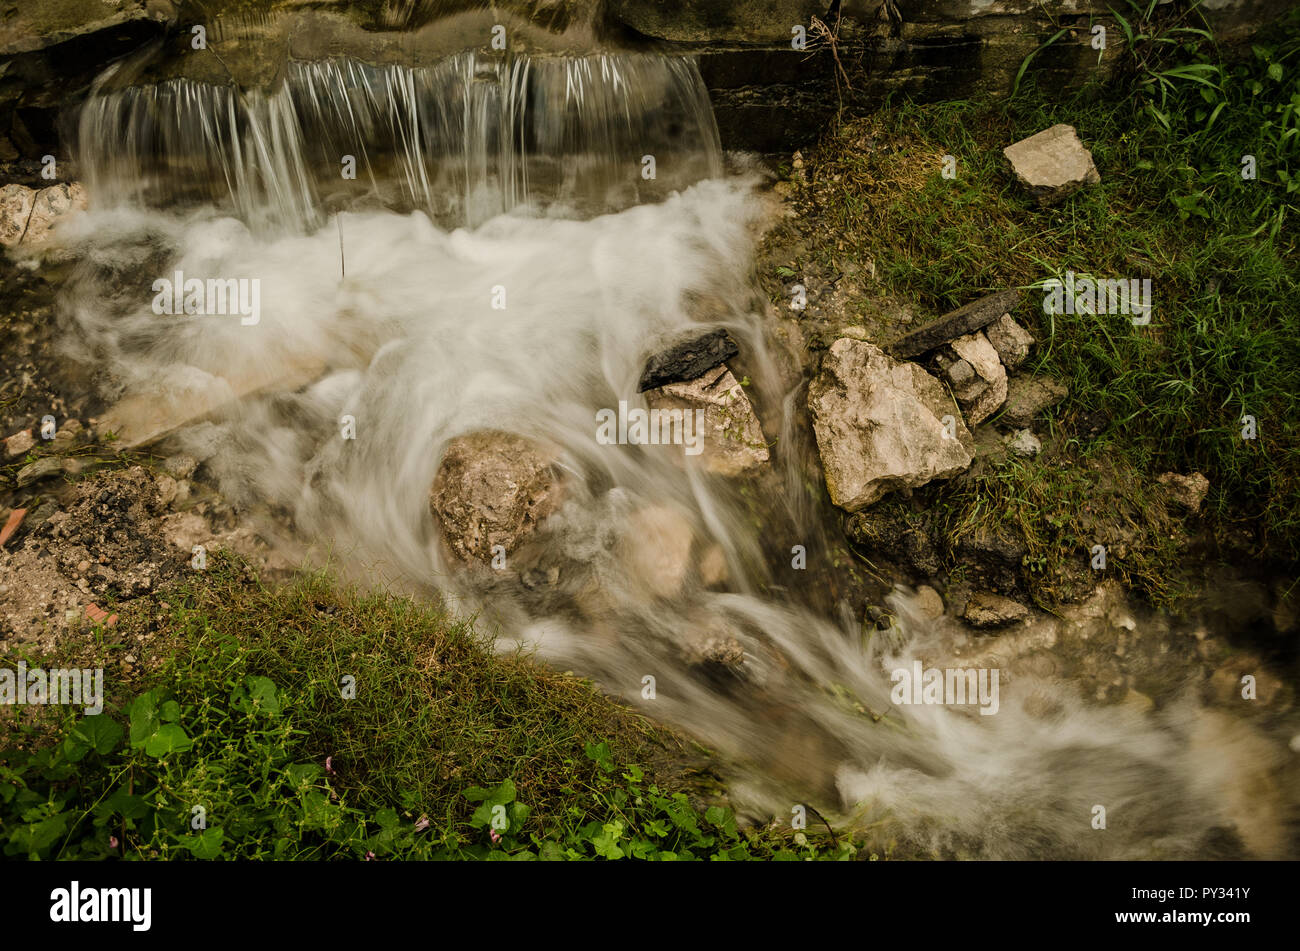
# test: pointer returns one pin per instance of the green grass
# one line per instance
(241, 743)
(1224, 340)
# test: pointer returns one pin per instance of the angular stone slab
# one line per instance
(1052, 164)
(966, 319)
(687, 360)
(880, 425)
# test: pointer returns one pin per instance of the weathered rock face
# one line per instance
(1052, 164)
(32, 26)
(1187, 490)
(711, 21)
(15, 211)
(985, 610)
(733, 437)
(492, 488)
(880, 425)
(1010, 340)
(27, 216)
(976, 351)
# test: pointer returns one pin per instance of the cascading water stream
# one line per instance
(527, 175)
(463, 141)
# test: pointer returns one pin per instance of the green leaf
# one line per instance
(503, 794)
(102, 733)
(206, 845)
(1275, 72)
(600, 754)
(606, 843)
(125, 804)
(168, 738)
(302, 776)
(551, 852)
(143, 715)
(256, 695)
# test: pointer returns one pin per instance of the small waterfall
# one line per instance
(526, 173)
(463, 140)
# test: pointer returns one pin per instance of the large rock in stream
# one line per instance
(882, 425)
(492, 488)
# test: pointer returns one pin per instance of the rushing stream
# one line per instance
(502, 261)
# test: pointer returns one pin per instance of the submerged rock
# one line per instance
(1052, 164)
(880, 425)
(732, 439)
(656, 548)
(929, 602)
(492, 488)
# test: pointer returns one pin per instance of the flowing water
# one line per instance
(482, 176)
